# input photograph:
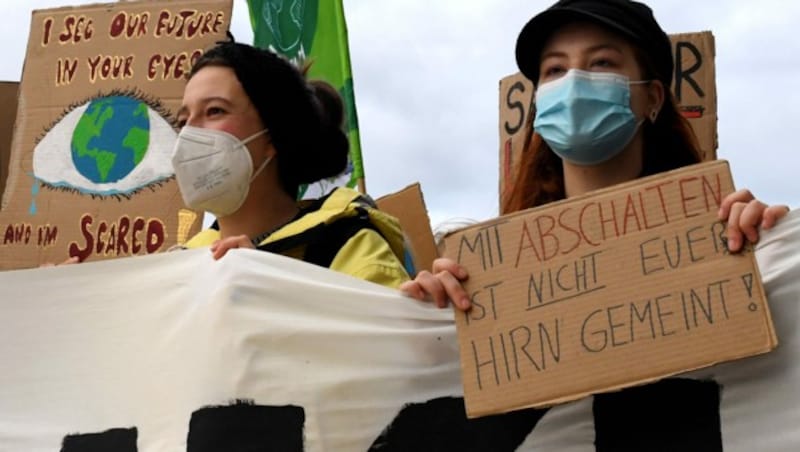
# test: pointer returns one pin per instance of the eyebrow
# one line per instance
(204, 101)
(595, 48)
(606, 46)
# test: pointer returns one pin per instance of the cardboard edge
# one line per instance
(422, 245)
(598, 192)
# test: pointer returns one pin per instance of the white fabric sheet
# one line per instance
(145, 342)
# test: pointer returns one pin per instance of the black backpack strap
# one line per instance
(323, 241)
(323, 250)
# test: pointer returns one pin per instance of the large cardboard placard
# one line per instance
(694, 86)
(619, 287)
(90, 172)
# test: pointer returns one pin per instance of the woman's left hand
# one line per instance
(220, 247)
(745, 215)
(441, 285)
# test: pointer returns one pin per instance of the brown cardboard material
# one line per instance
(694, 87)
(516, 110)
(619, 287)
(79, 191)
(8, 98)
(408, 206)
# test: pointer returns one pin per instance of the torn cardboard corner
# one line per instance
(616, 288)
(694, 87)
(408, 206)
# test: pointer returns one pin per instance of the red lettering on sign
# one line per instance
(113, 238)
(76, 29)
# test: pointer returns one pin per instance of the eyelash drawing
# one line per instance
(153, 187)
(153, 102)
(115, 145)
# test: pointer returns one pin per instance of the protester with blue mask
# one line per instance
(604, 115)
(604, 110)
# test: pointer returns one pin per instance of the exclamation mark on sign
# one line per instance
(747, 280)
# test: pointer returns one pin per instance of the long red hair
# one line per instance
(669, 143)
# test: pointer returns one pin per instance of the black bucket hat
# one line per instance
(633, 20)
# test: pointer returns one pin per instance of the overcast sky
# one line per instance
(426, 76)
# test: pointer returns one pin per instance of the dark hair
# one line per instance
(331, 103)
(304, 118)
(631, 19)
(669, 143)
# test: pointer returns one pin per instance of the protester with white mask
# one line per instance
(252, 131)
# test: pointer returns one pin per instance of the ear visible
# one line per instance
(271, 152)
(269, 148)
(655, 99)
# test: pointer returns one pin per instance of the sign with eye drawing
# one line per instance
(90, 171)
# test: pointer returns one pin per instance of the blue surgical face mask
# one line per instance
(585, 117)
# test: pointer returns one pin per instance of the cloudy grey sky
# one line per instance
(426, 77)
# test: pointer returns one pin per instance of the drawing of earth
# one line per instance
(110, 138)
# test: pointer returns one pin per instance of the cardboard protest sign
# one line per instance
(517, 107)
(694, 86)
(178, 352)
(8, 97)
(408, 206)
(90, 169)
(618, 287)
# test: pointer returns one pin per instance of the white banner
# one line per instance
(177, 352)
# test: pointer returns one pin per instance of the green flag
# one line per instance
(314, 30)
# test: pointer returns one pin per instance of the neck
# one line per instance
(624, 167)
(259, 214)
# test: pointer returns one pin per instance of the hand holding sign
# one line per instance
(745, 214)
(440, 286)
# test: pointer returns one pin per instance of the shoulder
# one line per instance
(345, 232)
(367, 255)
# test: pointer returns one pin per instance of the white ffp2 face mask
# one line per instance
(214, 169)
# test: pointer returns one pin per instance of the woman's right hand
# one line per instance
(440, 286)
(221, 247)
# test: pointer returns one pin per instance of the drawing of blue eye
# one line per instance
(112, 145)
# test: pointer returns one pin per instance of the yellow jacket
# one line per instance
(342, 231)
